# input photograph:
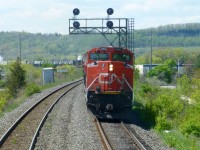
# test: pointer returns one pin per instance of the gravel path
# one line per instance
(69, 126)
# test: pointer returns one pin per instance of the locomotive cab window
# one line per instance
(98, 56)
(121, 57)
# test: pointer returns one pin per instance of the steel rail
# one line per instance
(134, 138)
(17, 122)
(34, 140)
(103, 135)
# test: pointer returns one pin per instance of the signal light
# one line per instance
(109, 24)
(111, 67)
(76, 24)
(76, 11)
(110, 11)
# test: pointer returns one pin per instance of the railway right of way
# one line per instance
(23, 133)
(69, 126)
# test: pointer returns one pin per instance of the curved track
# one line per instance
(24, 132)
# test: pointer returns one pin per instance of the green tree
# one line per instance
(16, 79)
(197, 62)
(164, 72)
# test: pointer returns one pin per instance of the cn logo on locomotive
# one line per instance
(107, 78)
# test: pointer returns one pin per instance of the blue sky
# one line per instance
(51, 16)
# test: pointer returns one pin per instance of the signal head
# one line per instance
(109, 24)
(76, 11)
(76, 24)
(110, 11)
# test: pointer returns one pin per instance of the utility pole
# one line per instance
(178, 69)
(151, 50)
(20, 46)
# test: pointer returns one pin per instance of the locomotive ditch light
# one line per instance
(110, 11)
(76, 11)
(109, 24)
(76, 24)
(111, 67)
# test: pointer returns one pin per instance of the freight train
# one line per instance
(108, 79)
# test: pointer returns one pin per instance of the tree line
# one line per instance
(56, 46)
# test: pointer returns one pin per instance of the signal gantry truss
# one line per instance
(122, 29)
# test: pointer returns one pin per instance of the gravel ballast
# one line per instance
(70, 126)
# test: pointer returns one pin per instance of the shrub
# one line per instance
(2, 103)
(162, 123)
(169, 104)
(191, 122)
(164, 72)
(33, 74)
(16, 79)
(4, 96)
(184, 85)
(163, 108)
(32, 89)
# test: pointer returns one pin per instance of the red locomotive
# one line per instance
(108, 78)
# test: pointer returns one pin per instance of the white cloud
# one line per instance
(51, 16)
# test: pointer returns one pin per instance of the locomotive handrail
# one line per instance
(128, 84)
(91, 83)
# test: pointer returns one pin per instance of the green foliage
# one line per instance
(146, 95)
(179, 35)
(165, 107)
(147, 89)
(197, 62)
(190, 123)
(179, 142)
(171, 140)
(172, 109)
(136, 74)
(71, 74)
(46, 65)
(195, 96)
(47, 46)
(2, 103)
(162, 123)
(55, 46)
(184, 84)
(16, 79)
(4, 96)
(2, 83)
(188, 55)
(33, 74)
(31, 89)
(164, 72)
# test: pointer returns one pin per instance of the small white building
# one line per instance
(1, 58)
(145, 68)
(2, 62)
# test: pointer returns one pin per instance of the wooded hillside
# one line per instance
(55, 46)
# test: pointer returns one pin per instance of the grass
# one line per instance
(179, 141)
(174, 138)
(21, 96)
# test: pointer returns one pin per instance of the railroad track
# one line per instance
(24, 132)
(127, 138)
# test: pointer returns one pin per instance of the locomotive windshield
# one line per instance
(98, 56)
(121, 57)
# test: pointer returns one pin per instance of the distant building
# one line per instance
(2, 62)
(1, 58)
(145, 68)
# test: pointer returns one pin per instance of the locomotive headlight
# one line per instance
(111, 67)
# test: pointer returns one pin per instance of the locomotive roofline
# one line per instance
(109, 49)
